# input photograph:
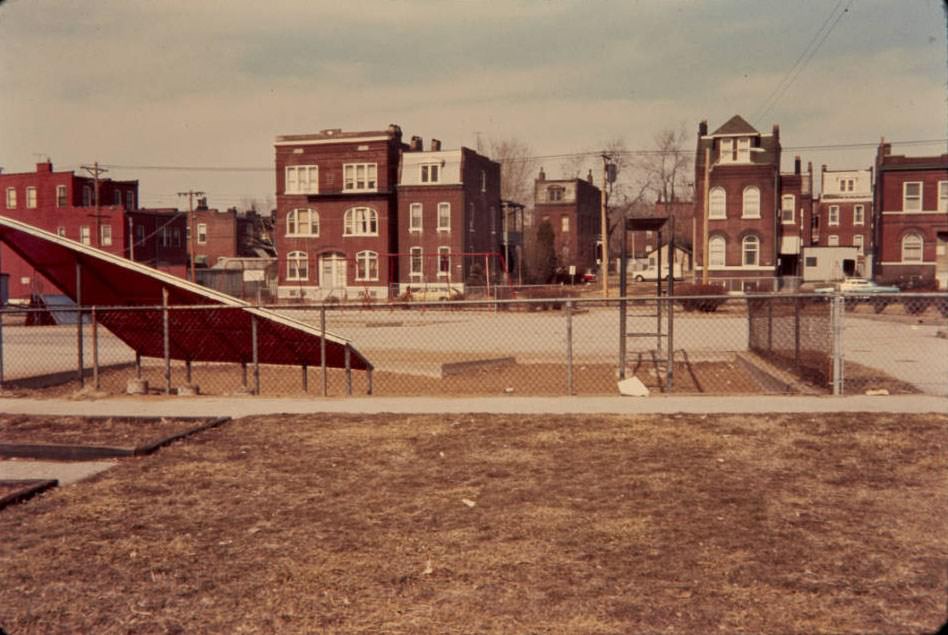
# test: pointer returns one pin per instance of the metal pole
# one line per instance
(770, 324)
(95, 349)
(348, 370)
(1, 345)
(368, 380)
(604, 225)
(623, 292)
(305, 378)
(138, 365)
(837, 321)
(658, 295)
(670, 375)
(322, 350)
(187, 371)
(569, 347)
(254, 353)
(243, 374)
(79, 351)
(167, 339)
(796, 332)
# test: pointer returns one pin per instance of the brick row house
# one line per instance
(911, 212)
(573, 209)
(365, 214)
(842, 214)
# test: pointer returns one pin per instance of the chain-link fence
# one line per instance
(729, 344)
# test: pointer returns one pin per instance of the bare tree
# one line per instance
(517, 169)
(627, 193)
(668, 167)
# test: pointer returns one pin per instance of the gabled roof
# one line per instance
(735, 125)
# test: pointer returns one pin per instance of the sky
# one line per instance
(138, 85)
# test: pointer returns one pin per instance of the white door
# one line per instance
(332, 271)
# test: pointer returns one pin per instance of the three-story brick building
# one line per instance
(573, 209)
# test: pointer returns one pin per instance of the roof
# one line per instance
(218, 332)
(735, 125)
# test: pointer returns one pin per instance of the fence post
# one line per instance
(348, 370)
(670, 373)
(368, 380)
(837, 329)
(2, 315)
(138, 365)
(79, 351)
(167, 339)
(623, 330)
(322, 349)
(569, 347)
(305, 378)
(770, 324)
(255, 354)
(796, 332)
(95, 349)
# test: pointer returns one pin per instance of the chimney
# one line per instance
(589, 177)
(202, 202)
(435, 145)
(417, 145)
(823, 168)
(394, 130)
(542, 176)
(45, 167)
(776, 131)
(796, 165)
(703, 128)
(809, 167)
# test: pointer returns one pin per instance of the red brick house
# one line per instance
(911, 212)
(449, 218)
(842, 215)
(65, 203)
(741, 246)
(795, 214)
(337, 214)
(573, 207)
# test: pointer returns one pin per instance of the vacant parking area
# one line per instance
(460, 523)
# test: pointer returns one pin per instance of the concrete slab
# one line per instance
(65, 473)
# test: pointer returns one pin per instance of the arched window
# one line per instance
(751, 207)
(361, 221)
(297, 266)
(302, 222)
(718, 203)
(716, 250)
(367, 266)
(912, 244)
(750, 248)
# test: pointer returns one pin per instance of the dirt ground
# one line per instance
(498, 524)
(104, 431)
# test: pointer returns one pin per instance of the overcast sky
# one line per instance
(211, 83)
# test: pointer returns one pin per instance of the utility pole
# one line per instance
(604, 222)
(95, 171)
(191, 194)
(705, 243)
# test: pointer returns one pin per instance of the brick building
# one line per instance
(911, 219)
(573, 207)
(794, 217)
(65, 203)
(743, 186)
(450, 226)
(222, 234)
(842, 215)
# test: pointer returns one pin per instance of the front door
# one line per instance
(332, 272)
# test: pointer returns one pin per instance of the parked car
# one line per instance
(860, 290)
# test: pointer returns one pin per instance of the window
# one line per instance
(417, 262)
(202, 233)
(117, 197)
(414, 217)
(302, 179)
(728, 151)
(61, 231)
(11, 198)
(60, 196)
(361, 221)
(359, 177)
(140, 234)
(718, 203)
(846, 185)
(302, 222)
(84, 236)
(105, 235)
(859, 215)
(912, 244)
(833, 215)
(367, 265)
(743, 150)
(858, 243)
(31, 198)
(297, 266)
(176, 237)
(788, 203)
(912, 197)
(832, 240)
(444, 262)
(164, 236)
(86, 196)
(564, 223)
(555, 193)
(130, 200)
(430, 172)
(751, 207)
(444, 217)
(750, 247)
(943, 196)
(483, 180)
(716, 250)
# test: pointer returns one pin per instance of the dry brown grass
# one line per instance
(352, 524)
(107, 431)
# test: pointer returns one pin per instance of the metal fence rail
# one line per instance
(752, 344)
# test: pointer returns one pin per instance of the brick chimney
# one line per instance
(417, 145)
(435, 145)
(45, 167)
(703, 128)
(796, 165)
(542, 176)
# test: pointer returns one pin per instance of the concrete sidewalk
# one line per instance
(246, 406)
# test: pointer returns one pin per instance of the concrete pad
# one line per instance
(65, 473)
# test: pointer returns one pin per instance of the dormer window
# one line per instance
(743, 150)
(555, 193)
(735, 150)
(430, 172)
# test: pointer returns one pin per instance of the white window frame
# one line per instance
(916, 200)
(483, 180)
(444, 256)
(416, 212)
(301, 179)
(416, 255)
(745, 243)
(105, 235)
(832, 219)
(302, 221)
(297, 266)
(11, 198)
(743, 150)
(832, 240)
(859, 214)
(61, 199)
(360, 177)
(130, 200)
(444, 216)
(564, 224)
(360, 221)
(201, 233)
(943, 196)
(722, 210)
(728, 151)
(30, 197)
(367, 266)
(859, 243)
(85, 235)
(747, 209)
(909, 248)
(717, 251)
(555, 193)
(117, 197)
(429, 172)
(784, 217)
